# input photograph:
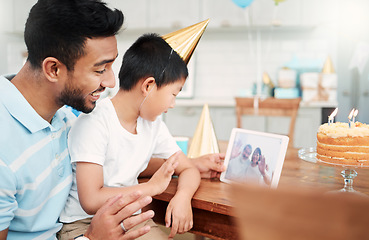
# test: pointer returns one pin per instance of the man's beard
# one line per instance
(75, 99)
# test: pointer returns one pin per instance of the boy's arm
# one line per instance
(179, 211)
(152, 167)
(209, 165)
(93, 194)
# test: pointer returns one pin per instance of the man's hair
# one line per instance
(151, 56)
(247, 146)
(60, 28)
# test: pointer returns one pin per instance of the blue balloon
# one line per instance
(243, 3)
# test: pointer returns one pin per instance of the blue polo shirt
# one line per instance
(35, 169)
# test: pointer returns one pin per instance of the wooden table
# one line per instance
(212, 208)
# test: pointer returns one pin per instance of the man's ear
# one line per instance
(52, 68)
(147, 85)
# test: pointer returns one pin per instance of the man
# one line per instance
(239, 163)
(71, 48)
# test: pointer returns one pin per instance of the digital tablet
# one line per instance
(254, 157)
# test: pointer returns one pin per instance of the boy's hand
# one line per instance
(161, 178)
(179, 215)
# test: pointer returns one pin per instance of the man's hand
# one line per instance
(210, 165)
(106, 223)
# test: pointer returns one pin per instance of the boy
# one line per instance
(114, 143)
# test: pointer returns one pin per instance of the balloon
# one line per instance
(243, 3)
(278, 1)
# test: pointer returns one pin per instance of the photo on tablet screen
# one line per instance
(254, 157)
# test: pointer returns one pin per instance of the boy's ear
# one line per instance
(147, 85)
(52, 68)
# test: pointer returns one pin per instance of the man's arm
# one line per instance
(3, 234)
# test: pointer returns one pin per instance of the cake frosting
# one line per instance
(341, 144)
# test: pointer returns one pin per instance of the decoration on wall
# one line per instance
(328, 66)
(268, 84)
(204, 140)
(243, 3)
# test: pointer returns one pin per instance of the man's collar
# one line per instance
(19, 107)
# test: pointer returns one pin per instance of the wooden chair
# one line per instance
(279, 214)
(269, 107)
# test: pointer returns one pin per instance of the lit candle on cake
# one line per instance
(353, 117)
(350, 117)
(331, 117)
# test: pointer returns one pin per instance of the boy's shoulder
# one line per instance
(104, 107)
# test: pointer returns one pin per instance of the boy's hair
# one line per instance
(151, 56)
(60, 28)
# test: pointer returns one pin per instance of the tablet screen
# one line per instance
(254, 157)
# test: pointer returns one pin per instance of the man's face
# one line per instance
(246, 152)
(91, 75)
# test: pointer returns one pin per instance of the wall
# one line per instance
(226, 57)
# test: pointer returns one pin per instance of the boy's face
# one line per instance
(91, 75)
(160, 100)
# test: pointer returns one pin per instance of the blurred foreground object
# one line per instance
(204, 140)
(264, 214)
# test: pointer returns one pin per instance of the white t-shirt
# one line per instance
(253, 174)
(237, 167)
(99, 138)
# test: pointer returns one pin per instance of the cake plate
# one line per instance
(348, 174)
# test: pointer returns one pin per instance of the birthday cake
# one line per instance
(340, 143)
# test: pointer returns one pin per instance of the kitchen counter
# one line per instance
(229, 102)
(183, 119)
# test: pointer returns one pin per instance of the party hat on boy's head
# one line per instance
(184, 41)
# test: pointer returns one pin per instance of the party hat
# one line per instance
(204, 140)
(328, 66)
(267, 81)
(184, 41)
